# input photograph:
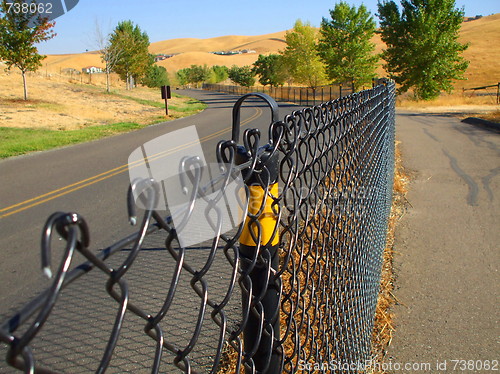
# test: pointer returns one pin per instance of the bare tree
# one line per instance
(110, 54)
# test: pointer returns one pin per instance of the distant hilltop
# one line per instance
(230, 53)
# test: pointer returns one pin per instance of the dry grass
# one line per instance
(229, 361)
(484, 48)
(460, 104)
(457, 99)
(493, 116)
(56, 103)
(384, 325)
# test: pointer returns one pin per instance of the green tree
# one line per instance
(242, 75)
(423, 51)
(194, 74)
(156, 76)
(270, 70)
(198, 74)
(345, 44)
(19, 32)
(301, 56)
(134, 59)
(182, 76)
(220, 73)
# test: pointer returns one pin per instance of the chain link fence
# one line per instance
(292, 288)
(302, 96)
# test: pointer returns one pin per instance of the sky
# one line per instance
(169, 19)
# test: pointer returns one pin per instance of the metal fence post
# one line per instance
(259, 242)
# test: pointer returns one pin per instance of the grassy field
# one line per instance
(18, 141)
(60, 113)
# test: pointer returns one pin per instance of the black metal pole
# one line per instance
(265, 286)
(259, 242)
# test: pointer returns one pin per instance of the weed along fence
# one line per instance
(290, 286)
(300, 95)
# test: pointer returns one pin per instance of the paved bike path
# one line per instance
(447, 246)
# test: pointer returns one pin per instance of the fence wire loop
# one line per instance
(292, 285)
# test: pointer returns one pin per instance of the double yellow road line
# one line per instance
(41, 199)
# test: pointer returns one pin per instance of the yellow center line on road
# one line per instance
(30, 203)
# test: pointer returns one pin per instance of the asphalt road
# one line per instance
(91, 179)
(447, 246)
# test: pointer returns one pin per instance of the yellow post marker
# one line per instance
(268, 219)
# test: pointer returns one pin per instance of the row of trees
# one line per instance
(197, 74)
(422, 49)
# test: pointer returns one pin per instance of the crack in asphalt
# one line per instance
(473, 187)
(487, 179)
(478, 140)
(426, 131)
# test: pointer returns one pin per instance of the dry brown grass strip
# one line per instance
(384, 324)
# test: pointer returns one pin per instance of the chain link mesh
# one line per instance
(171, 309)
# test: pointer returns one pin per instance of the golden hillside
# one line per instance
(483, 36)
(260, 43)
(189, 51)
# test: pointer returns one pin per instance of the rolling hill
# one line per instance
(482, 35)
